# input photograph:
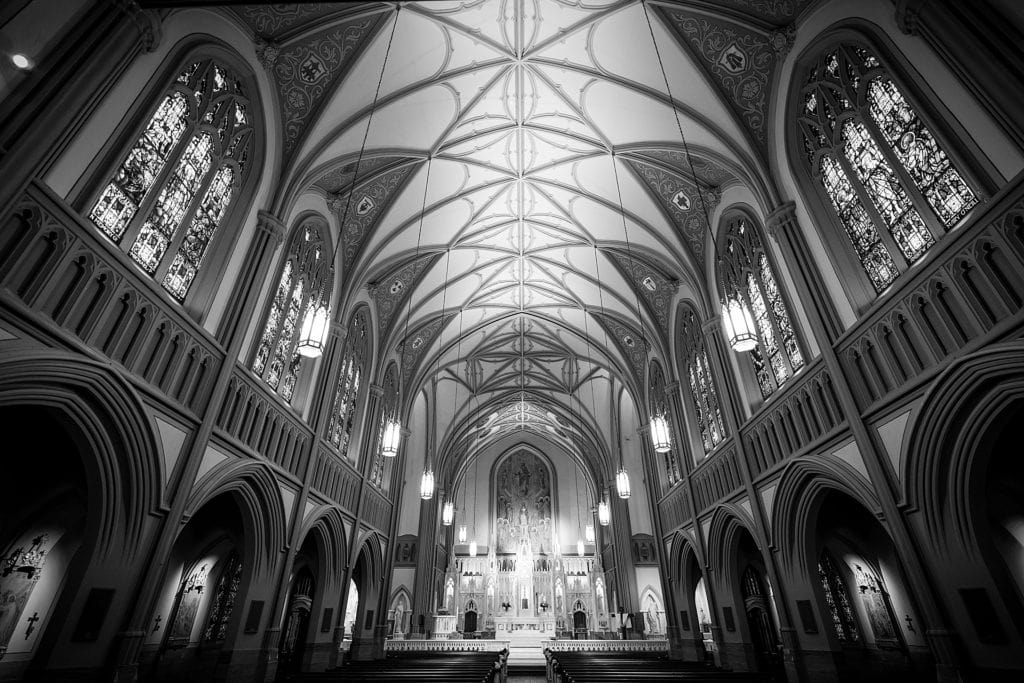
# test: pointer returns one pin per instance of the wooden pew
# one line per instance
(468, 667)
(607, 667)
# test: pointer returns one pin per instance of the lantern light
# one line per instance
(462, 534)
(660, 435)
(21, 61)
(739, 326)
(622, 483)
(579, 547)
(448, 513)
(427, 485)
(589, 531)
(313, 335)
(472, 548)
(604, 513)
(391, 438)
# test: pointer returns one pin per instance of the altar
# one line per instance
(510, 626)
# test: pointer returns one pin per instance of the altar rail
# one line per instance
(477, 645)
(607, 646)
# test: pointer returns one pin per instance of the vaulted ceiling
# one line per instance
(511, 180)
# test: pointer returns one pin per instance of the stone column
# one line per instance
(241, 308)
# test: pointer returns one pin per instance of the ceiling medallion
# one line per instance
(397, 286)
(733, 59)
(649, 283)
(681, 200)
(312, 69)
(364, 206)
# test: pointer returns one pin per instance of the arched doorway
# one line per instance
(1002, 520)
(704, 616)
(351, 609)
(470, 618)
(579, 620)
(757, 604)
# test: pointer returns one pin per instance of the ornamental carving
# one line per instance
(678, 197)
(739, 59)
(390, 291)
(417, 342)
(368, 203)
(305, 72)
(630, 342)
(656, 289)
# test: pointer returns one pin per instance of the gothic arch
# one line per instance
(944, 454)
(803, 485)
(328, 526)
(728, 523)
(258, 496)
(110, 424)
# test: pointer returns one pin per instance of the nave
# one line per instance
(583, 340)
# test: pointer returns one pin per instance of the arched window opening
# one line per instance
(350, 376)
(893, 187)
(169, 196)
(224, 600)
(388, 413)
(745, 275)
(837, 599)
(659, 407)
(306, 282)
(701, 383)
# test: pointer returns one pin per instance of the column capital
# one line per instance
(376, 390)
(270, 225)
(908, 15)
(146, 21)
(711, 325)
(781, 218)
(671, 387)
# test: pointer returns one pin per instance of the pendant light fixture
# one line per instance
(316, 323)
(589, 533)
(472, 548)
(462, 533)
(661, 439)
(736, 317)
(448, 513)
(604, 513)
(427, 484)
(580, 548)
(739, 325)
(391, 438)
(622, 482)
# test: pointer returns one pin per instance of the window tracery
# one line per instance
(349, 382)
(701, 383)
(892, 185)
(746, 275)
(837, 599)
(169, 196)
(306, 281)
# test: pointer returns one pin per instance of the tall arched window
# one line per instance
(659, 406)
(306, 282)
(837, 599)
(350, 375)
(389, 411)
(701, 382)
(223, 602)
(746, 275)
(174, 186)
(888, 179)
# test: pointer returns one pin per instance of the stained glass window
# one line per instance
(346, 392)
(701, 382)
(223, 602)
(837, 599)
(389, 411)
(173, 189)
(305, 283)
(746, 275)
(892, 186)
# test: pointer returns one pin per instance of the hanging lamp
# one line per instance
(604, 513)
(472, 548)
(391, 439)
(622, 482)
(661, 438)
(580, 549)
(427, 484)
(462, 533)
(739, 325)
(589, 533)
(448, 513)
(313, 334)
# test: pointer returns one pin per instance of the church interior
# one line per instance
(491, 340)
